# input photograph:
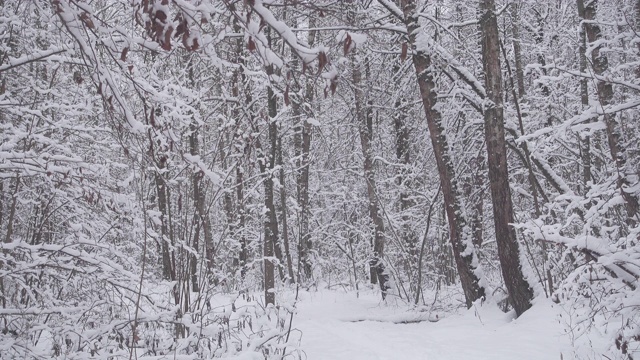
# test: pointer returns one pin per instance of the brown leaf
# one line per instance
(166, 44)
(322, 61)
(160, 15)
(123, 54)
(181, 29)
(403, 53)
(286, 95)
(347, 44)
(251, 45)
(87, 20)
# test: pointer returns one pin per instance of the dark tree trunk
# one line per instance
(198, 200)
(167, 268)
(585, 140)
(271, 234)
(302, 143)
(364, 118)
(403, 154)
(520, 293)
(517, 47)
(238, 80)
(463, 249)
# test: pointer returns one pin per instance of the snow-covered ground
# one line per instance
(338, 325)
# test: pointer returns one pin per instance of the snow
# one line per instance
(338, 325)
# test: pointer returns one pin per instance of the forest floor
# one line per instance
(338, 325)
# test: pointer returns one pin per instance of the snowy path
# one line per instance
(329, 332)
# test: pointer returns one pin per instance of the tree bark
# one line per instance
(463, 249)
(271, 234)
(585, 141)
(403, 154)
(302, 143)
(517, 47)
(520, 293)
(239, 78)
(285, 227)
(167, 268)
(617, 149)
(364, 119)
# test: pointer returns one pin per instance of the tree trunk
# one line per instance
(364, 119)
(517, 47)
(167, 268)
(403, 154)
(605, 95)
(239, 78)
(463, 249)
(520, 293)
(302, 143)
(585, 140)
(285, 228)
(267, 164)
(198, 201)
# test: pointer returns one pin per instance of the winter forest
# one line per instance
(319, 179)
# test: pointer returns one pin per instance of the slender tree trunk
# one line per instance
(167, 269)
(198, 195)
(473, 191)
(244, 245)
(364, 118)
(517, 47)
(273, 154)
(585, 140)
(403, 154)
(283, 205)
(238, 79)
(302, 143)
(520, 293)
(267, 164)
(198, 201)
(617, 149)
(463, 249)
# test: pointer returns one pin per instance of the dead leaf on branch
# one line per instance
(123, 54)
(347, 44)
(403, 53)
